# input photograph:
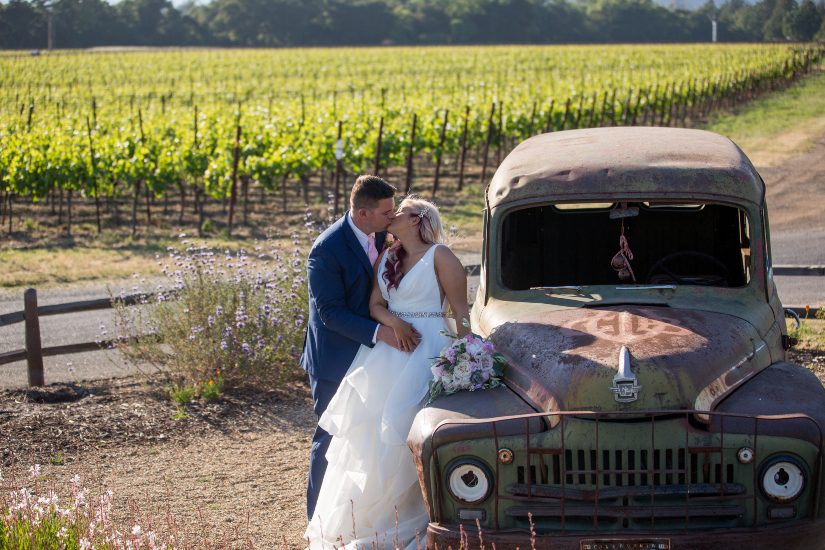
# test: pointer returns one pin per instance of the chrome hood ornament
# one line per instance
(625, 386)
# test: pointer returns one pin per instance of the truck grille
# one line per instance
(569, 478)
(620, 468)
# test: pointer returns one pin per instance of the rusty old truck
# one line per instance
(648, 402)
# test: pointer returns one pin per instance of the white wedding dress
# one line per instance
(371, 473)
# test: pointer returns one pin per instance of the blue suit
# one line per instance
(340, 282)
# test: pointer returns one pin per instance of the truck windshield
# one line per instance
(664, 243)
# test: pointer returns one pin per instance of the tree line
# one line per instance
(27, 24)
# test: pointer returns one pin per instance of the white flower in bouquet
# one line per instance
(468, 363)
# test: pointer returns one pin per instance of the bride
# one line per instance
(370, 494)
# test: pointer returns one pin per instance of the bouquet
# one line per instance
(469, 363)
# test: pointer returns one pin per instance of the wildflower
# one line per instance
(136, 530)
(34, 471)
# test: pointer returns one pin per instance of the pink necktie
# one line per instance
(371, 251)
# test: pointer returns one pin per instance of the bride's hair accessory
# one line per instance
(423, 212)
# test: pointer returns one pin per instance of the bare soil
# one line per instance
(794, 187)
(233, 470)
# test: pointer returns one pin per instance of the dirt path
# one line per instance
(234, 470)
(795, 182)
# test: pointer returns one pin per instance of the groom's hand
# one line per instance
(387, 335)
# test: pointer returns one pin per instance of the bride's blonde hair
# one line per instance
(430, 229)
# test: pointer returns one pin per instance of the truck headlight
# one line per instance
(783, 478)
(469, 480)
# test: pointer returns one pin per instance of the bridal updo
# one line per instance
(430, 229)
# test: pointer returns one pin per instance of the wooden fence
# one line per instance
(34, 352)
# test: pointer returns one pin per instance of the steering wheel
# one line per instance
(717, 278)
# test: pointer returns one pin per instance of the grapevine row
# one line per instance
(145, 125)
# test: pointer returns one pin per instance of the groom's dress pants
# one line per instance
(322, 393)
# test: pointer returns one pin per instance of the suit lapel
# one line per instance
(352, 242)
(380, 239)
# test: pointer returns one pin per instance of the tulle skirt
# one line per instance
(370, 493)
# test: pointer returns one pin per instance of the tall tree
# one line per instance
(84, 23)
(803, 22)
(773, 26)
(23, 25)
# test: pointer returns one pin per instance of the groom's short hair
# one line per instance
(368, 190)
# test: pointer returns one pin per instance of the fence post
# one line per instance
(34, 354)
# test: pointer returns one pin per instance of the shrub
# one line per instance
(231, 319)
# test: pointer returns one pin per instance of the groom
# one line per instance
(340, 273)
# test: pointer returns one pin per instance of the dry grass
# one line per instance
(780, 126)
(55, 266)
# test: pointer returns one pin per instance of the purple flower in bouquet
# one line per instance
(468, 363)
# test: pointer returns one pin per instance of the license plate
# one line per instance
(625, 544)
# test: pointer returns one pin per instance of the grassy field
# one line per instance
(778, 126)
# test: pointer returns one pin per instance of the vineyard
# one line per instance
(122, 131)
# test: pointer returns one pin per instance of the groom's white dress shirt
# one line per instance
(363, 239)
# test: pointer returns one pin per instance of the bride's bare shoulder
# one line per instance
(446, 257)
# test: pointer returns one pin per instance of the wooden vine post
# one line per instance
(665, 96)
(463, 148)
(548, 123)
(378, 147)
(94, 175)
(566, 112)
(440, 151)
(339, 155)
(410, 152)
(236, 155)
(487, 144)
(137, 185)
(499, 132)
(592, 111)
(579, 112)
(604, 105)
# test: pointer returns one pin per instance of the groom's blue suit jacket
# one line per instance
(340, 282)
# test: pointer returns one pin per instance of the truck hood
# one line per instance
(628, 358)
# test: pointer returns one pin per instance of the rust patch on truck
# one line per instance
(566, 360)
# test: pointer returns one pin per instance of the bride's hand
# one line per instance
(406, 335)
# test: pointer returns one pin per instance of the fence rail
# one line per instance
(34, 353)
